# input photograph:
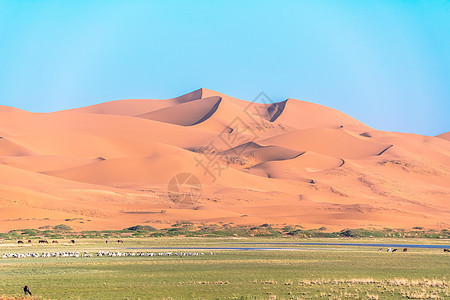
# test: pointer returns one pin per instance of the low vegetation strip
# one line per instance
(189, 229)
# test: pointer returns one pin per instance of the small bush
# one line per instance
(347, 233)
(30, 232)
(63, 227)
(141, 228)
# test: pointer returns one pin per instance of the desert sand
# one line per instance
(108, 166)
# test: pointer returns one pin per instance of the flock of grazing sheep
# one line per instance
(404, 250)
(99, 254)
(91, 254)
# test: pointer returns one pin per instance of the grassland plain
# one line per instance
(309, 272)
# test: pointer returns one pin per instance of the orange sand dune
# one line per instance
(295, 167)
(45, 163)
(445, 136)
(186, 114)
(425, 146)
(301, 114)
(10, 148)
(27, 127)
(258, 153)
(134, 107)
(7, 109)
(209, 157)
(333, 142)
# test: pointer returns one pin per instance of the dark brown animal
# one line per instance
(72, 241)
(27, 291)
(446, 250)
(405, 249)
(29, 241)
(54, 242)
(19, 242)
(120, 241)
(395, 250)
(43, 242)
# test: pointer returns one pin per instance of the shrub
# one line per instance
(141, 228)
(182, 223)
(62, 227)
(287, 228)
(347, 233)
(30, 232)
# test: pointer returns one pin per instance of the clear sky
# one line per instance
(386, 63)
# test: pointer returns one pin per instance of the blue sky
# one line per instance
(386, 63)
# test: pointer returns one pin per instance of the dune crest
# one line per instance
(10, 148)
(192, 112)
(445, 136)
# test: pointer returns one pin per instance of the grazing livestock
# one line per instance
(19, 242)
(381, 249)
(43, 242)
(27, 291)
(101, 254)
(389, 250)
(446, 250)
(72, 241)
(405, 249)
(120, 241)
(29, 241)
(395, 250)
(54, 242)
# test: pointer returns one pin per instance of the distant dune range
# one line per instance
(108, 166)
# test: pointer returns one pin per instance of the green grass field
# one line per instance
(327, 272)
